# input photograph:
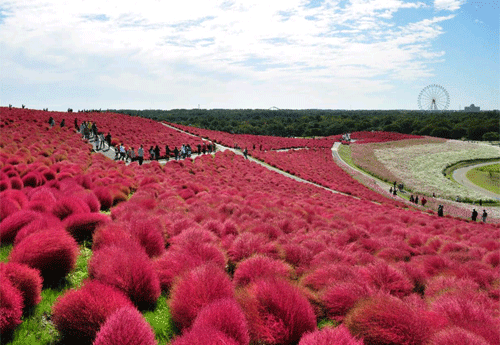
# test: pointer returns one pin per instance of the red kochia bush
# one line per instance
(105, 197)
(258, 267)
(27, 280)
(79, 314)
(226, 316)
(328, 335)
(15, 222)
(11, 306)
(82, 225)
(339, 298)
(276, 311)
(125, 326)
(127, 267)
(53, 252)
(204, 336)
(149, 234)
(196, 289)
(456, 335)
(8, 206)
(47, 221)
(385, 319)
(67, 206)
(469, 313)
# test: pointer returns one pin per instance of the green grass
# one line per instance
(448, 171)
(487, 177)
(36, 326)
(345, 153)
(161, 321)
(5, 251)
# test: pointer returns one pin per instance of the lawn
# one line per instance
(487, 177)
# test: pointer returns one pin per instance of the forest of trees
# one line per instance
(306, 123)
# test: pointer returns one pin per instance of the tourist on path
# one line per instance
(484, 216)
(140, 155)
(474, 215)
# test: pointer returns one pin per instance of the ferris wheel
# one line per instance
(433, 97)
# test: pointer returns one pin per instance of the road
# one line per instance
(459, 175)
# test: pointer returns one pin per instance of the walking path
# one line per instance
(459, 175)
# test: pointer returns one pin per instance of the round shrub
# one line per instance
(105, 197)
(204, 336)
(329, 335)
(129, 269)
(15, 222)
(11, 306)
(8, 206)
(226, 316)
(82, 225)
(149, 234)
(196, 289)
(125, 326)
(53, 252)
(79, 314)
(67, 206)
(276, 312)
(456, 335)
(47, 221)
(258, 267)
(27, 280)
(339, 298)
(385, 319)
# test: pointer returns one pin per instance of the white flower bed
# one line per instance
(420, 167)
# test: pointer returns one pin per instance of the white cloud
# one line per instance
(448, 5)
(193, 45)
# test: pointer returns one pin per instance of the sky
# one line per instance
(251, 54)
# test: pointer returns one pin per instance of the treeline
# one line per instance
(306, 123)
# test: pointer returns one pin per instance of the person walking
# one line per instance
(484, 216)
(140, 155)
(176, 153)
(167, 152)
(245, 153)
(474, 215)
(440, 210)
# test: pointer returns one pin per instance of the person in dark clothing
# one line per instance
(63, 123)
(474, 215)
(209, 147)
(394, 192)
(245, 153)
(157, 152)
(167, 152)
(176, 153)
(51, 122)
(484, 216)
(108, 139)
(416, 200)
(199, 149)
(76, 125)
(140, 155)
(204, 149)
(440, 210)
(411, 198)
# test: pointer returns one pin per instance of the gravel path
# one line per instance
(459, 175)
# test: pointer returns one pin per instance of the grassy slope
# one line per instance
(487, 177)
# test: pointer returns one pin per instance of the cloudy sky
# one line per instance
(294, 54)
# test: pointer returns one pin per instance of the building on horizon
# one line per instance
(472, 109)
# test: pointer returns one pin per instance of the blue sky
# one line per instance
(294, 54)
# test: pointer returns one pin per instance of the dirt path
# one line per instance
(459, 175)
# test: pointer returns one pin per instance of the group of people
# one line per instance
(475, 214)
(415, 200)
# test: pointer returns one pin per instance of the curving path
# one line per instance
(459, 175)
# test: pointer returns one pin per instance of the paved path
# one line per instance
(459, 175)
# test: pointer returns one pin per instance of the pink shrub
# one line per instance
(10, 226)
(247, 244)
(276, 312)
(196, 289)
(79, 314)
(125, 326)
(226, 316)
(329, 335)
(149, 234)
(82, 225)
(27, 280)
(67, 206)
(92, 201)
(470, 314)
(53, 252)
(387, 279)
(456, 335)
(128, 269)
(258, 267)
(172, 265)
(8, 206)
(204, 336)
(105, 197)
(11, 306)
(15, 195)
(492, 258)
(339, 298)
(385, 319)
(45, 222)
(109, 234)
(325, 276)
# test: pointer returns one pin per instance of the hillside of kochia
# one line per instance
(245, 254)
